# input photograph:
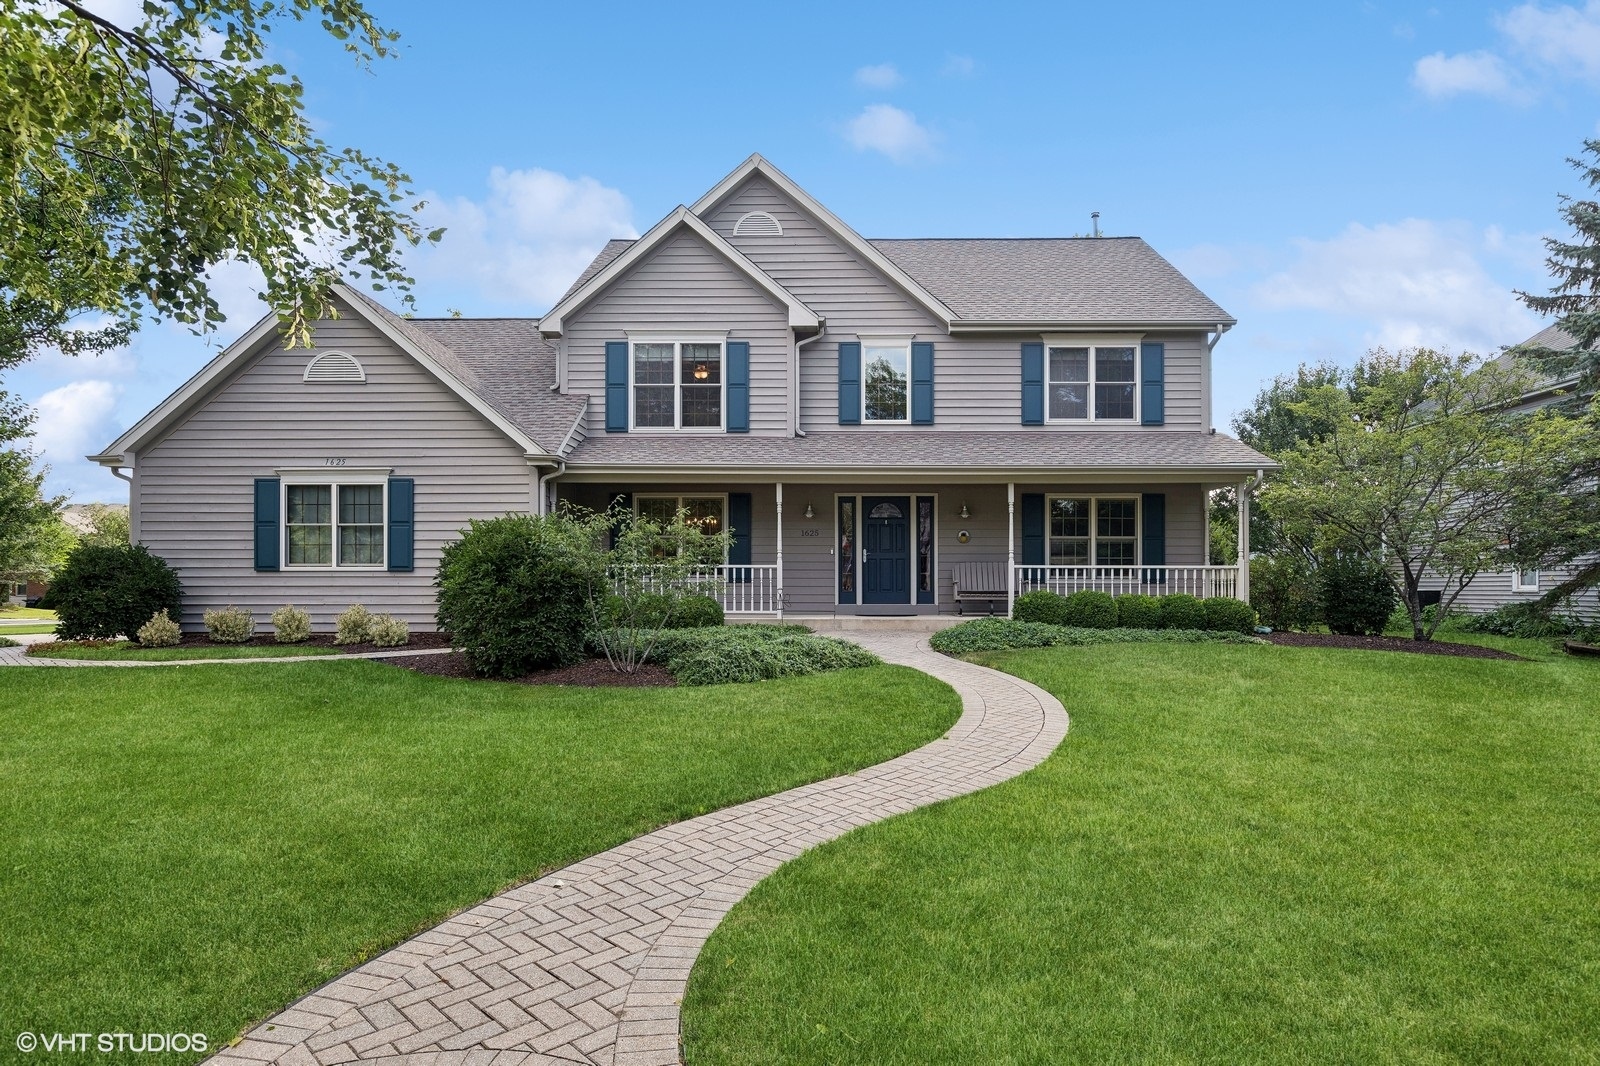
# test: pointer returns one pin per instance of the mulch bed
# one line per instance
(593, 673)
(1416, 647)
(322, 640)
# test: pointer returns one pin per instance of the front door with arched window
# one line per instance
(886, 549)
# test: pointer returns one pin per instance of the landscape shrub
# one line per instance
(1040, 605)
(1526, 620)
(105, 591)
(353, 625)
(1228, 614)
(230, 625)
(1283, 591)
(1182, 611)
(1090, 610)
(7, 642)
(513, 593)
(290, 625)
(1357, 596)
(1000, 634)
(388, 631)
(697, 612)
(720, 655)
(160, 632)
(1139, 612)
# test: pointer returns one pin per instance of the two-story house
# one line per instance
(876, 421)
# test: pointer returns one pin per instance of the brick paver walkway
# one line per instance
(589, 964)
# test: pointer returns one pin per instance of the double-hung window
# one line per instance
(334, 524)
(886, 380)
(1092, 382)
(1525, 581)
(678, 384)
(1093, 530)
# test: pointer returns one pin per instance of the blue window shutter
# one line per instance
(849, 383)
(616, 386)
(738, 386)
(1033, 383)
(1153, 508)
(402, 523)
(739, 519)
(1033, 529)
(267, 523)
(922, 383)
(1153, 359)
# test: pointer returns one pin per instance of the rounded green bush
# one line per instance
(1090, 610)
(697, 612)
(1040, 605)
(1229, 615)
(1182, 611)
(512, 594)
(1138, 612)
(1357, 596)
(107, 591)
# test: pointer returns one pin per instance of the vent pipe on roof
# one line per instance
(1094, 216)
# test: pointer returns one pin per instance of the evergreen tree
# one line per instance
(1574, 300)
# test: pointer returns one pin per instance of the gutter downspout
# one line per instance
(794, 389)
(544, 479)
(1211, 344)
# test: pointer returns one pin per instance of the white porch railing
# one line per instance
(741, 589)
(1201, 581)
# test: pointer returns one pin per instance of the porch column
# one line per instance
(1242, 584)
(779, 604)
(1011, 545)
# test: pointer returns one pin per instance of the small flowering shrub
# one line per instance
(230, 625)
(290, 625)
(354, 626)
(160, 632)
(389, 631)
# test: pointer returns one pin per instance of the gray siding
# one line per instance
(193, 489)
(685, 285)
(1488, 591)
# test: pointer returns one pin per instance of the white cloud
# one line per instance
(878, 76)
(527, 241)
(1416, 282)
(887, 129)
(1565, 39)
(1439, 76)
(74, 420)
(958, 67)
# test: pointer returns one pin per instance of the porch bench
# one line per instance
(978, 581)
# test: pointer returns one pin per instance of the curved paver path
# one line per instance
(589, 964)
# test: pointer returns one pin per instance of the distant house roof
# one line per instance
(1552, 336)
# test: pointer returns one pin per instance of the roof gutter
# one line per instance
(976, 326)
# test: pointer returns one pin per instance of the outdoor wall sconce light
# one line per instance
(966, 512)
(811, 512)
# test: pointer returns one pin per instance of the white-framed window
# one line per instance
(678, 382)
(1092, 530)
(708, 511)
(886, 379)
(1091, 379)
(1525, 581)
(335, 524)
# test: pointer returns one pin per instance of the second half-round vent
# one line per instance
(335, 368)
(757, 224)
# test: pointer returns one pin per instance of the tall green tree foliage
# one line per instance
(1574, 298)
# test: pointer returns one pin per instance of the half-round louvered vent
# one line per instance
(334, 368)
(757, 224)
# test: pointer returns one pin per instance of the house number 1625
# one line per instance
(333, 462)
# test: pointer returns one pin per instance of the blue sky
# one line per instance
(1337, 176)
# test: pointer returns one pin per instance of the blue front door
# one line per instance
(886, 549)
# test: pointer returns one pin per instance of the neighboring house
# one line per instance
(1501, 587)
(877, 422)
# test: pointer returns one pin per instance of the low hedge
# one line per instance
(1226, 614)
(1139, 612)
(721, 655)
(1182, 611)
(1100, 610)
(1001, 634)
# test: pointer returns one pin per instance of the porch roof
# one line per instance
(1162, 452)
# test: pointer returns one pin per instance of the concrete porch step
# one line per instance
(845, 623)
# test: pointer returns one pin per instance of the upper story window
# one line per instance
(678, 384)
(1092, 382)
(1094, 530)
(886, 380)
(334, 524)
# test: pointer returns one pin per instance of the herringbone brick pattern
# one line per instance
(589, 964)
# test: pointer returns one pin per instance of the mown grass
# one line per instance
(25, 628)
(8, 612)
(1238, 855)
(188, 849)
(127, 650)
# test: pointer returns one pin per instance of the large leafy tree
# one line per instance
(1427, 469)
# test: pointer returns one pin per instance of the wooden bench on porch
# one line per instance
(978, 581)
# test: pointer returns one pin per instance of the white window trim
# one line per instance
(680, 497)
(899, 341)
(319, 477)
(678, 340)
(1094, 528)
(1517, 584)
(1092, 341)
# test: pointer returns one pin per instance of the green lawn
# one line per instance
(9, 613)
(1238, 855)
(23, 628)
(188, 849)
(124, 649)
